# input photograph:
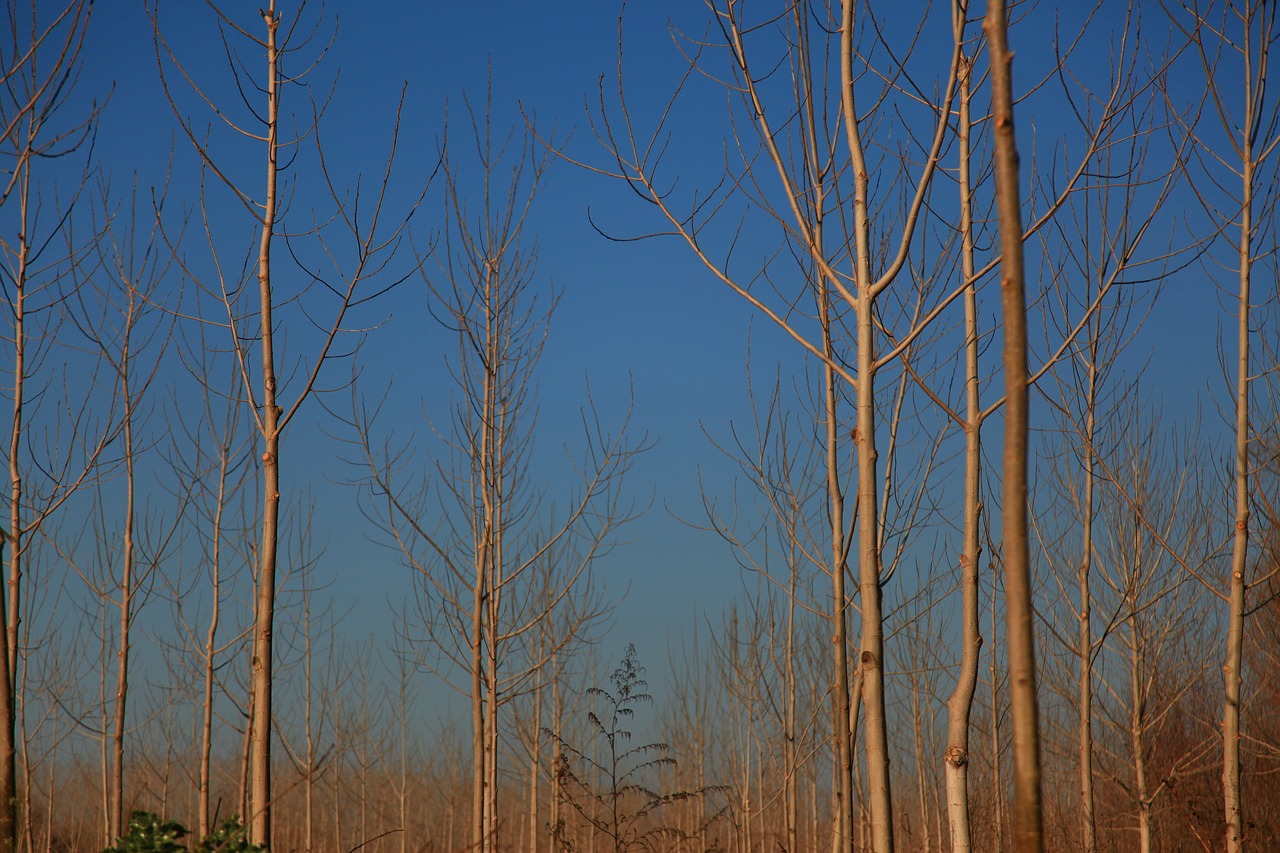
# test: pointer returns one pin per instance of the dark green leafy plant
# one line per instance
(612, 789)
(148, 834)
(229, 837)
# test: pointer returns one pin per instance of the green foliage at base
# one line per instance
(229, 837)
(149, 834)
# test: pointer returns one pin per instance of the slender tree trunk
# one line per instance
(917, 734)
(1088, 825)
(478, 711)
(487, 471)
(246, 750)
(309, 784)
(210, 647)
(997, 770)
(871, 656)
(790, 767)
(126, 601)
(1137, 721)
(1028, 822)
(491, 761)
(13, 539)
(1232, 801)
(535, 766)
(264, 616)
(557, 721)
(52, 786)
(404, 762)
(1233, 807)
(842, 794)
(960, 704)
(104, 748)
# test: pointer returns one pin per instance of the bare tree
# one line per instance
(253, 329)
(39, 64)
(478, 529)
(210, 454)
(799, 173)
(1231, 43)
(780, 533)
(1154, 600)
(117, 311)
(803, 161)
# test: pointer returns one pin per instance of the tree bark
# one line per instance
(960, 704)
(1232, 801)
(1028, 825)
(871, 646)
(264, 612)
(126, 592)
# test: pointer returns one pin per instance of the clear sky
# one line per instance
(642, 315)
(635, 315)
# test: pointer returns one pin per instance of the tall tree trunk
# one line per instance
(1028, 823)
(871, 654)
(264, 614)
(1232, 802)
(842, 794)
(1088, 824)
(126, 598)
(960, 703)
(13, 539)
(211, 638)
(1233, 808)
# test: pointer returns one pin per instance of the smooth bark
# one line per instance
(260, 721)
(957, 759)
(1028, 821)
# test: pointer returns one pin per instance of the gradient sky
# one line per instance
(642, 315)
(632, 315)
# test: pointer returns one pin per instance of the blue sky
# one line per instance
(640, 315)
(631, 315)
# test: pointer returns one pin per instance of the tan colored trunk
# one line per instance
(488, 472)
(246, 747)
(871, 645)
(13, 539)
(1028, 833)
(1233, 808)
(960, 704)
(309, 784)
(1137, 723)
(997, 770)
(871, 656)
(126, 602)
(1232, 802)
(535, 768)
(204, 822)
(790, 765)
(842, 794)
(917, 735)
(557, 720)
(477, 717)
(264, 612)
(1088, 824)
